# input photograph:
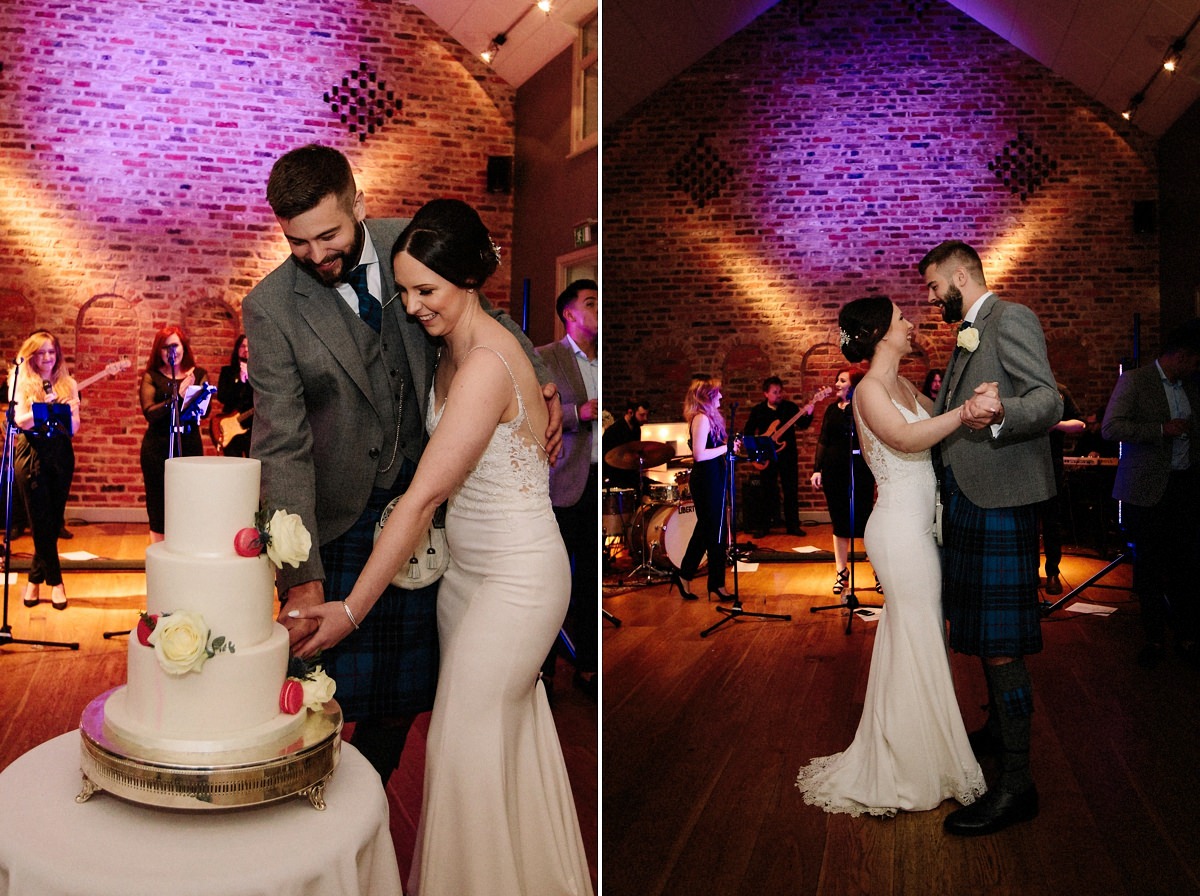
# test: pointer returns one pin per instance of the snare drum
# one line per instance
(662, 493)
(664, 532)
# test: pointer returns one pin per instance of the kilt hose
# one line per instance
(388, 667)
(990, 580)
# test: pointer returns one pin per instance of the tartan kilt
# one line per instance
(990, 577)
(389, 666)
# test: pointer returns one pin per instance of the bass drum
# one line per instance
(664, 532)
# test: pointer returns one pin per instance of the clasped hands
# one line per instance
(983, 408)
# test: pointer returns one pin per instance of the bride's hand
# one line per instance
(333, 624)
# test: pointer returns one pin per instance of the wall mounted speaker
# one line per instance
(499, 174)
(1145, 216)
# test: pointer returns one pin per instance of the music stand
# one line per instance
(850, 601)
(735, 611)
(7, 476)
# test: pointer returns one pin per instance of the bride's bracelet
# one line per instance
(350, 615)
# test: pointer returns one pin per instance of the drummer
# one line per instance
(626, 428)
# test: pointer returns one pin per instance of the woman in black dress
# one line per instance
(706, 426)
(831, 473)
(170, 371)
(231, 428)
(44, 458)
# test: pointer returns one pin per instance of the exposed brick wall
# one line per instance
(136, 140)
(815, 156)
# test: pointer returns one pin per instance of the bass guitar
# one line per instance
(110, 370)
(227, 427)
(779, 429)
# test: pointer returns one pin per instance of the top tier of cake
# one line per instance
(202, 520)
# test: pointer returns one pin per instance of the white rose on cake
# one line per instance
(318, 689)
(288, 541)
(180, 642)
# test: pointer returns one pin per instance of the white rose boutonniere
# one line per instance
(180, 642)
(288, 541)
(968, 339)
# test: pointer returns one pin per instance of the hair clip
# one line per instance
(495, 249)
(843, 337)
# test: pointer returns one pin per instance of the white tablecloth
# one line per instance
(52, 846)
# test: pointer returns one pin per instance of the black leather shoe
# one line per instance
(1053, 585)
(992, 812)
(984, 743)
(720, 594)
(677, 582)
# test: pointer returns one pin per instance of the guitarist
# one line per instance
(768, 418)
(237, 398)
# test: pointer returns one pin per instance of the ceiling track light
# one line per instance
(1172, 59)
(494, 45)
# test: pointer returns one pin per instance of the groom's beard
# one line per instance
(952, 305)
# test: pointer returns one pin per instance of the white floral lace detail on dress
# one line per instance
(512, 465)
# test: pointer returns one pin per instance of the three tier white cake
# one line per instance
(207, 664)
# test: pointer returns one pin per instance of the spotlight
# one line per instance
(493, 48)
(544, 6)
(1174, 54)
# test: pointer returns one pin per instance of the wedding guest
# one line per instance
(573, 362)
(932, 385)
(43, 456)
(169, 374)
(498, 814)
(1153, 414)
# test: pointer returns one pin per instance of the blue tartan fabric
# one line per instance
(990, 577)
(389, 666)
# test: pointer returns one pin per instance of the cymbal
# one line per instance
(634, 455)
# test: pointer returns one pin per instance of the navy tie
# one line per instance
(369, 308)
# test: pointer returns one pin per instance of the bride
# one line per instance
(498, 815)
(911, 750)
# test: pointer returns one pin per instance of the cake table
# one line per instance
(51, 845)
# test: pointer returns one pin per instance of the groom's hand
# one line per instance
(983, 408)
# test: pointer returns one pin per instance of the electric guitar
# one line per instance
(111, 370)
(777, 430)
(226, 427)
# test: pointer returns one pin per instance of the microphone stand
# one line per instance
(6, 474)
(850, 601)
(175, 445)
(729, 517)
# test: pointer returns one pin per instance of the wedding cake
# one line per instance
(208, 663)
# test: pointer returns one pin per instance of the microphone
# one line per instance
(172, 352)
(48, 388)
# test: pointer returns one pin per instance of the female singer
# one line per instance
(43, 458)
(831, 474)
(701, 410)
(170, 371)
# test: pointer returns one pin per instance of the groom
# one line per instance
(993, 475)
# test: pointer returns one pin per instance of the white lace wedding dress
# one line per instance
(911, 750)
(498, 814)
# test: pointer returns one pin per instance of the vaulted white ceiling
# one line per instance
(1108, 48)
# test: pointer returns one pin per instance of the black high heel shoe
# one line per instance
(677, 582)
(721, 594)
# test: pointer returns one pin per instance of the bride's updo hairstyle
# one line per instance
(861, 324)
(448, 237)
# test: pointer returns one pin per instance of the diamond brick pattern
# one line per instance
(701, 173)
(1023, 166)
(363, 102)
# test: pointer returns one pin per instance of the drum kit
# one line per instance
(656, 520)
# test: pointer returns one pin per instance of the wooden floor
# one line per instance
(703, 737)
(44, 689)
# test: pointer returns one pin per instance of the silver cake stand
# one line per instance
(299, 765)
